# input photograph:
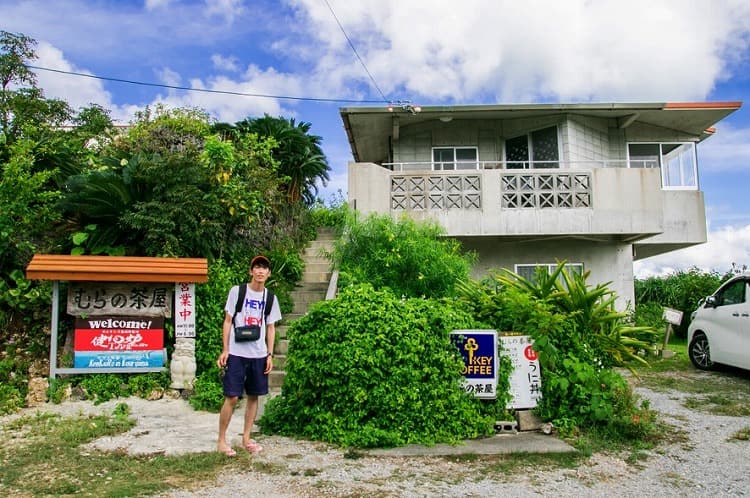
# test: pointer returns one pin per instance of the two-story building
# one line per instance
(596, 185)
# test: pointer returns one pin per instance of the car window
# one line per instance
(733, 293)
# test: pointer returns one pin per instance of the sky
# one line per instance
(307, 58)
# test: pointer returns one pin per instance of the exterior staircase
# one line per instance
(312, 288)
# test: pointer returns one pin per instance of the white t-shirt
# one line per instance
(252, 313)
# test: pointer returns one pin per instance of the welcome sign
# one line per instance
(119, 342)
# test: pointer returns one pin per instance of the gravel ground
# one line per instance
(702, 461)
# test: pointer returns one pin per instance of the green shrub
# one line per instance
(335, 215)
(56, 389)
(370, 369)
(577, 336)
(103, 387)
(11, 399)
(209, 392)
(210, 299)
(143, 384)
(411, 258)
(681, 290)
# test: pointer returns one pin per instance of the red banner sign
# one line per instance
(119, 334)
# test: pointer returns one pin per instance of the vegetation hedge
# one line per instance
(370, 369)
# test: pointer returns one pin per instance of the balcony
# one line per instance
(604, 200)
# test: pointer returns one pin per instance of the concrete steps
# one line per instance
(312, 288)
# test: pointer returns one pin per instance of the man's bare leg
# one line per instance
(251, 410)
(225, 416)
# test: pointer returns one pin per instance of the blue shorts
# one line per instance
(245, 373)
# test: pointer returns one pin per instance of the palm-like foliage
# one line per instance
(301, 159)
(592, 309)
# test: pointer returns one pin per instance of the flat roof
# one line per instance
(368, 128)
(117, 268)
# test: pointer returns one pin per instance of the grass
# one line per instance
(45, 455)
(724, 391)
(741, 435)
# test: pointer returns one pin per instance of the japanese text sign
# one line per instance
(137, 299)
(184, 314)
(525, 378)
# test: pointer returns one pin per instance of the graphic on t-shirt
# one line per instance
(253, 311)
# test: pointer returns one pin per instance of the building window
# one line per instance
(538, 149)
(679, 168)
(529, 271)
(450, 158)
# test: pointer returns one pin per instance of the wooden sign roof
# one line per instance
(117, 268)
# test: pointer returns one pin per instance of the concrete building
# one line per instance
(596, 185)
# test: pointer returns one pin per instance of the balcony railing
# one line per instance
(541, 189)
(520, 165)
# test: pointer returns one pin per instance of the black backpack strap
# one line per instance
(269, 303)
(240, 300)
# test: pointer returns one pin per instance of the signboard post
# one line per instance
(479, 350)
(525, 378)
(672, 317)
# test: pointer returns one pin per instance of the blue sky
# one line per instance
(427, 51)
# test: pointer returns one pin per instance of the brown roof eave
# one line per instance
(117, 269)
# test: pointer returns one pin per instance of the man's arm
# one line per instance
(225, 329)
(270, 339)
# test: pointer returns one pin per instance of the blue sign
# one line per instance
(479, 351)
(132, 359)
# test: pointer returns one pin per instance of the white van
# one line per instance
(720, 329)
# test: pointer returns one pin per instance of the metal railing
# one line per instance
(519, 165)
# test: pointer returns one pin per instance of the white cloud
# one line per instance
(526, 51)
(77, 91)
(255, 83)
(728, 150)
(230, 64)
(169, 77)
(157, 4)
(727, 245)
(226, 9)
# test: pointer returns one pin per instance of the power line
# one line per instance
(355, 52)
(204, 90)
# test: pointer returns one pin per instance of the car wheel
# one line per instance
(700, 352)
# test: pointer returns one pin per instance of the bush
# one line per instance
(681, 290)
(370, 369)
(412, 259)
(209, 392)
(576, 347)
(11, 399)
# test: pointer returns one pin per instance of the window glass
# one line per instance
(466, 158)
(538, 149)
(644, 155)
(679, 168)
(676, 160)
(443, 158)
(529, 271)
(449, 158)
(734, 293)
(517, 152)
(544, 148)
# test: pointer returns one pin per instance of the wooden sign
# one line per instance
(122, 299)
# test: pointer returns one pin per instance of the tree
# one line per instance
(169, 187)
(301, 160)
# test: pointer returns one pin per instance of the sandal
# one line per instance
(228, 452)
(253, 447)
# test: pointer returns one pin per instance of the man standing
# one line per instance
(247, 359)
